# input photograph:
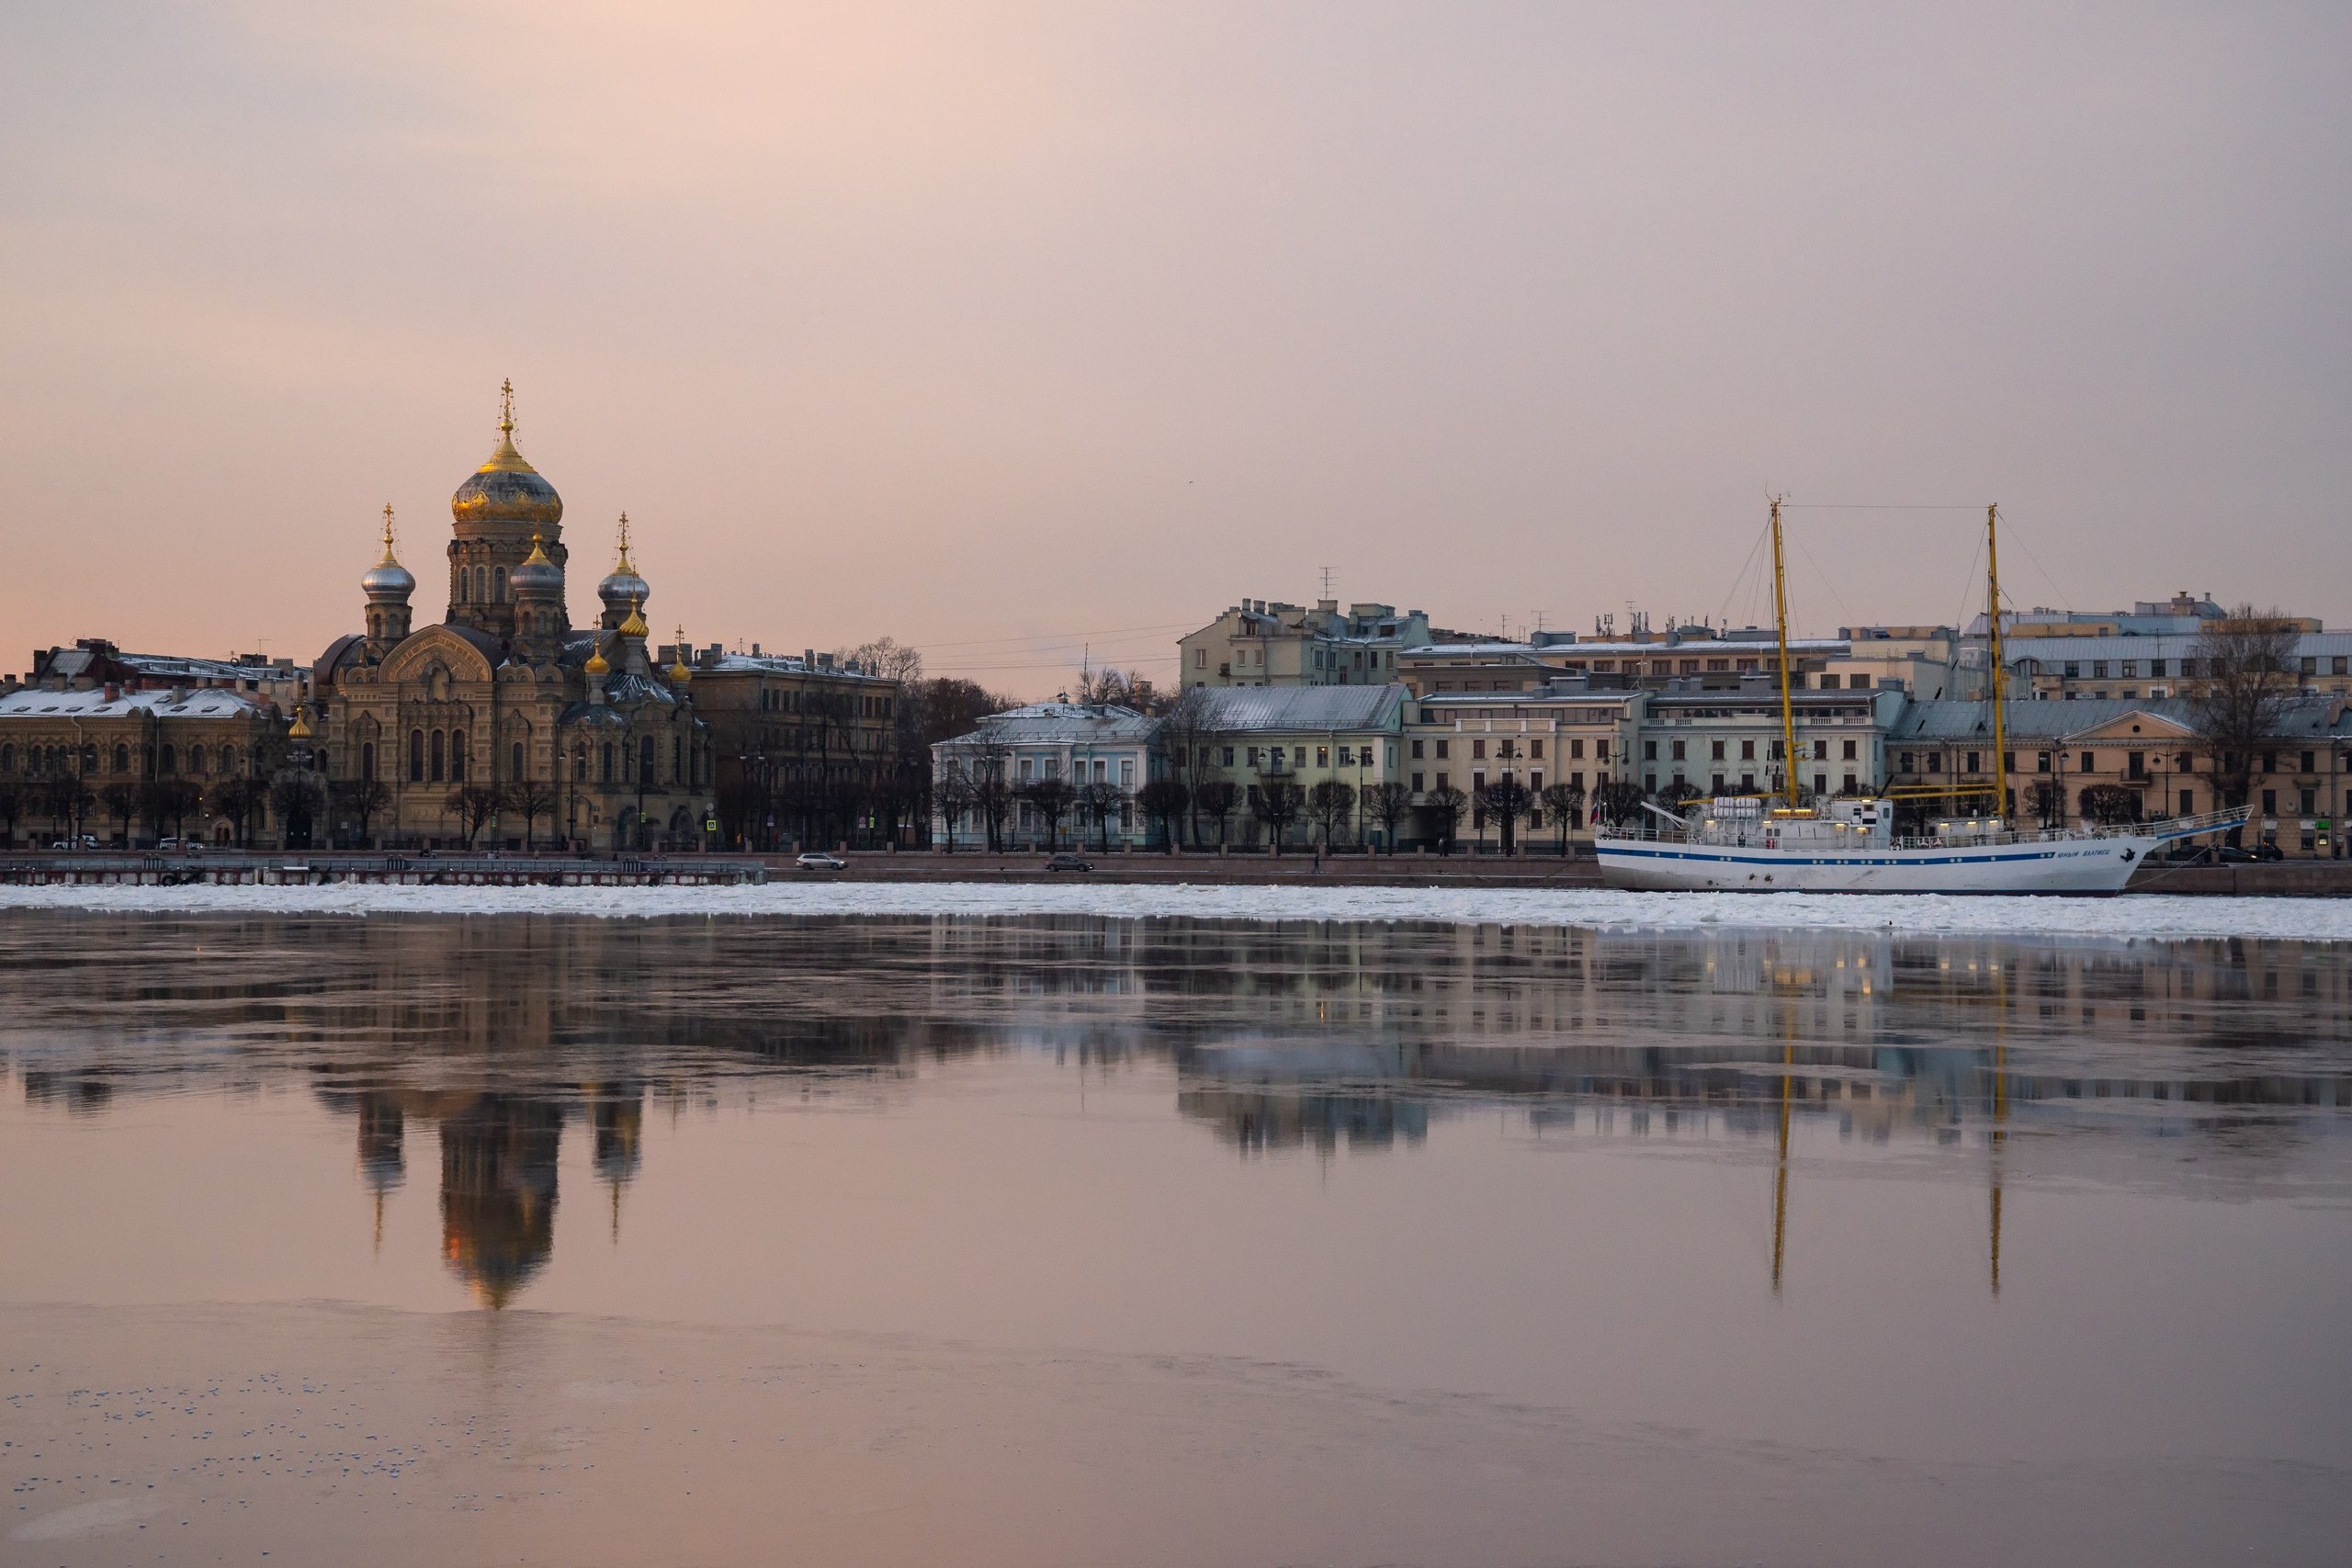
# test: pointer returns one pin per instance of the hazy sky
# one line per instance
(998, 329)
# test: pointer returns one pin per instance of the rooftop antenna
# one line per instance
(1326, 583)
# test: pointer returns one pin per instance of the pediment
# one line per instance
(2138, 726)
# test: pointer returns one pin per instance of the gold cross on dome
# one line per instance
(387, 527)
(506, 405)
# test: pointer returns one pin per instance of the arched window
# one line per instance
(457, 756)
(645, 758)
(608, 762)
(440, 756)
(8, 759)
(580, 764)
(677, 760)
(368, 759)
(416, 756)
(228, 759)
(121, 758)
(90, 758)
(194, 759)
(168, 764)
(499, 577)
(516, 771)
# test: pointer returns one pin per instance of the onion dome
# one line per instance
(679, 671)
(537, 576)
(635, 626)
(301, 731)
(507, 489)
(388, 579)
(622, 585)
(596, 667)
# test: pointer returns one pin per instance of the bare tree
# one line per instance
(298, 796)
(887, 657)
(2110, 805)
(1217, 797)
(531, 799)
(992, 791)
(1163, 800)
(12, 808)
(2047, 799)
(1051, 799)
(2245, 675)
(1617, 800)
(121, 801)
(1277, 803)
(1507, 800)
(1183, 741)
(1389, 803)
(362, 799)
(171, 800)
(238, 799)
(1563, 801)
(1446, 804)
(1329, 803)
(954, 794)
(473, 806)
(1098, 802)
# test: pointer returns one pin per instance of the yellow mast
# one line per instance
(1993, 616)
(1780, 620)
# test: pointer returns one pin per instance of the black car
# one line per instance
(2188, 854)
(1067, 862)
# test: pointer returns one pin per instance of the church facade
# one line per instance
(503, 723)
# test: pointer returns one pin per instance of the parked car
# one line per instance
(2187, 854)
(1068, 862)
(2231, 854)
(86, 841)
(818, 860)
(179, 846)
(2268, 851)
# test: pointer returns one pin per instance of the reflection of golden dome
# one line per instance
(507, 489)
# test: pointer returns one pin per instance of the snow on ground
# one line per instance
(2148, 915)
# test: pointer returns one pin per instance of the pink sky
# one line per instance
(1008, 330)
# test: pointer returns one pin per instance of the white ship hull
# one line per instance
(2088, 864)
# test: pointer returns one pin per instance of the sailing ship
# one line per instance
(1749, 843)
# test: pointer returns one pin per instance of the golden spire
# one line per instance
(624, 568)
(538, 555)
(635, 626)
(388, 559)
(506, 459)
(679, 671)
(596, 665)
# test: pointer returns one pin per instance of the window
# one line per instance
(1253, 756)
(606, 775)
(416, 756)
(1029, 766)
(1200, 659)
(1478, 782)
(2135, 764)
(1851, 786)
(1440, 751)
(367, 759)
(1478, 749)
(1535, 751)
(440, 756)
(457, 756)
(1576, 748)
(2130, 669)
(2090, 763)
(165, 762)
(1417, 784)
(123, 759)
(2310, 666)
(1717, 753)
(1850, 750)
(1442, 782)
(2309, 801)
(2341, 665)
(499, 577)
(580, 764)
(1535, 781)
(1821, 752)
(1228, 756)
(2270, 802)
(2189, 803)
(2099, 668)
(1601, 749)
(1902, 763)
(1416, 750)
(515, 770)
(2308, 760)
(1322, 756)
(2156, 669)
(1650, 751)
(1681, 751)
(2072, 669)
(1126, 773)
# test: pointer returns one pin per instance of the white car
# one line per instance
(818, 860)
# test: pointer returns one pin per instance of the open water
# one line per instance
(1080, 1239)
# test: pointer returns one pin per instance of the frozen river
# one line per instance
(886, 1224)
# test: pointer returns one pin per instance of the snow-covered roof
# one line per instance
(1237, 708)
(1061, 724)
(182, 702)
(1686, 647)
(782, 664)
(2063, 650)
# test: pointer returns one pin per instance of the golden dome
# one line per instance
(635, 626)
(679, 671)
(301, 731)
(507, 489)
(596, 665)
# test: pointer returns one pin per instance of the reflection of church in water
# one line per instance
(498, 1161)
(587, 737)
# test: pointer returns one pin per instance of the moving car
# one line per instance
(1068, 862)
(818, 860)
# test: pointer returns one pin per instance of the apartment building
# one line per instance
(1569, 731)
(1731, 742)
(1262, 643)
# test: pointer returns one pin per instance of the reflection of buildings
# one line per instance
(498, 1177)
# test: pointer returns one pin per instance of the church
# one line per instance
(504, 724)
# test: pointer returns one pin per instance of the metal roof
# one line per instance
(2028, 720)
(1231, 710)
(2061, 651)
(179, 702)
(1061, 724)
